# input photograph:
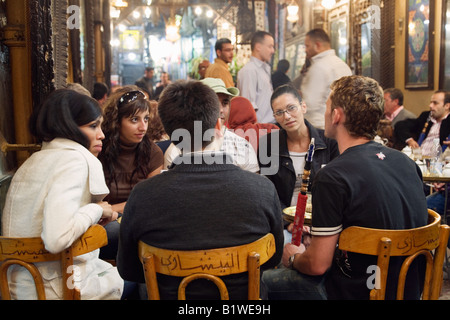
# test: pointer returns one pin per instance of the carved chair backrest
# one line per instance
(409, 243)
(27, 251)
(210, 264)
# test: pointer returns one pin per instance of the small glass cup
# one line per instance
(417, 154)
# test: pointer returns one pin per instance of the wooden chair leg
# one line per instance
(150, 278)
(254, 273)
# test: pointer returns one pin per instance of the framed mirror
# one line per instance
(339, 30)
(444, 76)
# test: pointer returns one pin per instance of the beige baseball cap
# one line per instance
(219, 86)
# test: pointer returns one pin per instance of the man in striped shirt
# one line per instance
(431, 124)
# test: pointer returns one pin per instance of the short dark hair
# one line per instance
(362, 101)
(100, 89)
(395, 93)
(446, 95)
(258, 37)
(318, 35)
(283, 65)
(149, 69)
(61, 114)
(220, 42)
(184, 102)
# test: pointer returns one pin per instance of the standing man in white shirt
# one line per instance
(254, 79)
(325, 68)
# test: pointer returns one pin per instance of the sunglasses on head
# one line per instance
(130, 97)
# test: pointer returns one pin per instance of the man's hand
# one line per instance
(289, 250)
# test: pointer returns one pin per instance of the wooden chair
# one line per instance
(207, 264)
(410, 243)
(27, 251)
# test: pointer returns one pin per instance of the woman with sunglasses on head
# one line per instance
(128, 156)
(58, 193)
(293, 141)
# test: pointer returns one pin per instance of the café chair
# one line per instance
(28, 251)
(429, 241)
(208, 264)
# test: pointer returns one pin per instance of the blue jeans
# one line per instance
(288, 284)
(129, 290)
(436, 202)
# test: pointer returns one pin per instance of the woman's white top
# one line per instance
(53, 195)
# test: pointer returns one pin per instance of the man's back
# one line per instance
(370, 186)
(325, 68)
(199, 206)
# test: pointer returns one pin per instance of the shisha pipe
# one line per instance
(422, 134)
(300, 209)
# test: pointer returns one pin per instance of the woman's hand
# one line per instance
(108, 214)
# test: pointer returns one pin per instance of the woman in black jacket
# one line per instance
(281, 154)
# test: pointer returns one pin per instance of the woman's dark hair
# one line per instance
(123, 103)
(286, 88)
(61, 115)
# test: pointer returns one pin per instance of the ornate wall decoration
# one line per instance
(89, 44)
(42, 72)
(7, 161)
(60, 42)
(419, 45)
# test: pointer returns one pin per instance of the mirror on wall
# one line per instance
(445, 47)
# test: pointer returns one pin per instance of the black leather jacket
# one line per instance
(284, 179)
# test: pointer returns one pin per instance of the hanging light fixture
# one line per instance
(120, 4)
(292, 10)
(328, 4)
(173, 27)
(172, 32)
(114, 12)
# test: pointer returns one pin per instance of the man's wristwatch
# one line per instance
(291, 261)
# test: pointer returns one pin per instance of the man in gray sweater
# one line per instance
(203, 202)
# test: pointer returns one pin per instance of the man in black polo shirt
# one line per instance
(368, 185)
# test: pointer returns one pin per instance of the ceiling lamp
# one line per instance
(172, 33)
(292, 10)
(173, 27)
(328, 4)
(119, 4)
(114, 12)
